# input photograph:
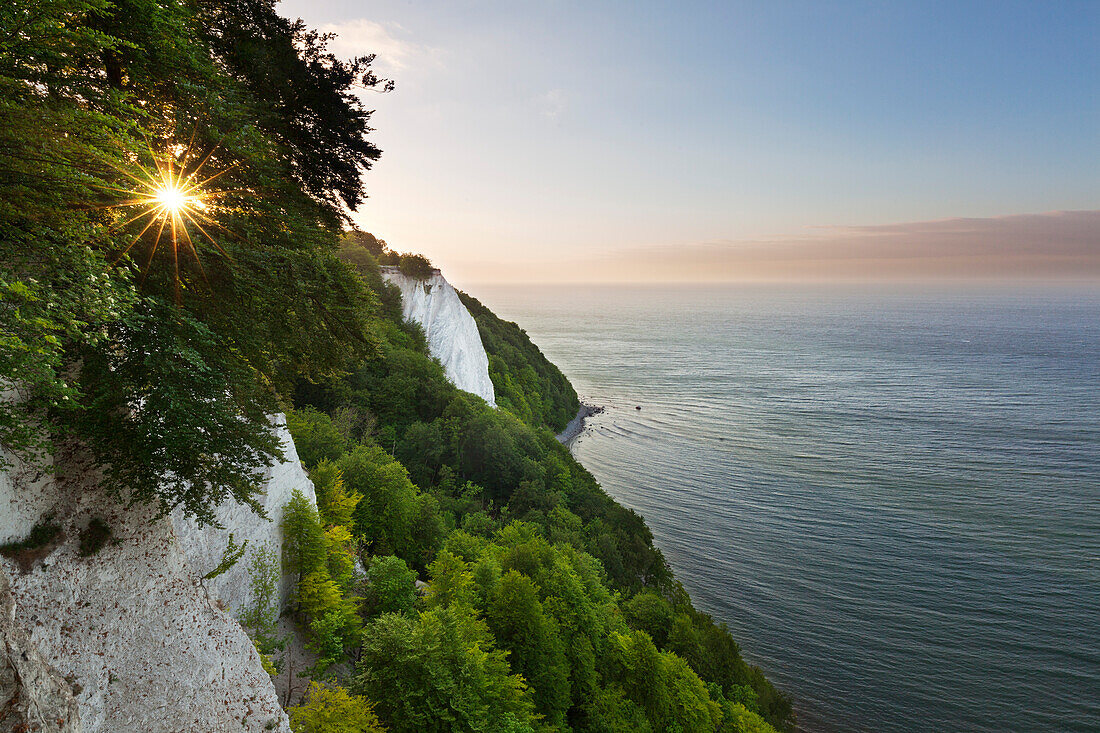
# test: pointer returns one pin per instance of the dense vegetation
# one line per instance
(523, 553)
(525, 381)
(164, 350)
(161, 358)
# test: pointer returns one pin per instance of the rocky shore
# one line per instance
(576, 426)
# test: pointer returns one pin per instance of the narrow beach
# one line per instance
(576, 426)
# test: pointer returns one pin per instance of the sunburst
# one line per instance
(171, 200)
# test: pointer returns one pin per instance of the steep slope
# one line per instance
(205, 546)
(131, 626)
(526, 382)
(452, 333)
(33, 696)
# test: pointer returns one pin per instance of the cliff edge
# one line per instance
(451, 331)
(143, 642)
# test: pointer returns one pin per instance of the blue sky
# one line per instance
(560, 140)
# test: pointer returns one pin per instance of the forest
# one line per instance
(176, 182)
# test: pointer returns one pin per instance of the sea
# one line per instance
(890, 493)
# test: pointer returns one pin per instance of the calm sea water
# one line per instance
(891, 496)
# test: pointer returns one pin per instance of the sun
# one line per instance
(173, 199)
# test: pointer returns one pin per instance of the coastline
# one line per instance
(576, 426)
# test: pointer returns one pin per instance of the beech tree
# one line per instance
(164, 353)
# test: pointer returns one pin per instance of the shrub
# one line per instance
(331, 709)
(315, 435)
(391, 587)
(94, 537)
(41, 541)
(417, 267)
(232, 554)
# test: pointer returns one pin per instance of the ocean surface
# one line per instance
(890, 495)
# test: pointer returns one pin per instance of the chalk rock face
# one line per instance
(204, 547)
(451, 330)
(142, 643)
(33, 696)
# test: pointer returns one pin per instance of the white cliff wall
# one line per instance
(145, 644)
(451, 330)
(205, 546)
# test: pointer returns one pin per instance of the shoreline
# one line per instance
(576, 426)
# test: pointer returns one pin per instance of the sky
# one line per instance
(689, 141)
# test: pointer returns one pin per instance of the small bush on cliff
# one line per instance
(230, 556)
(94, 537)
(43, 538)
(415, 266)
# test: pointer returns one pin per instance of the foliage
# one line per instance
(649, 612)
(261, 614)
(661, 683)
(418, 267)
(164, 364)
(323, 561)
(520, 624)
(334, 503)
(41, 534)
(390, 587)
(558, 591)
(331, 709)
(266, 661)
(166, 360)
(304, 546)
(316, 437)
(364, 251)
(311, 108)
(440, 671)
(392, 517)
(230, 556)
(524, 380)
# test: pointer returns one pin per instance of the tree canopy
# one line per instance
(164, 346)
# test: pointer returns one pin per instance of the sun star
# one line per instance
(171, 199)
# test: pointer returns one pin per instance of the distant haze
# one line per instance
(1055, 245)
(731, 140)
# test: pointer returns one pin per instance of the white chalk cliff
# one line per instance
(145, 644)
(452, 333)
(205, 546)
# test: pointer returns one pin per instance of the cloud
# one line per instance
(360, 37)
(551, 104)
(1058, 244)
(1052, 244)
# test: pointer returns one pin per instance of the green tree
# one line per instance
(440, 672)
(390, 587)
(260, 616)
(335, 505)
(331, 709)
(533, 639)
(415, 266)
(316, 437)
(650, 613)
(304, 546)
